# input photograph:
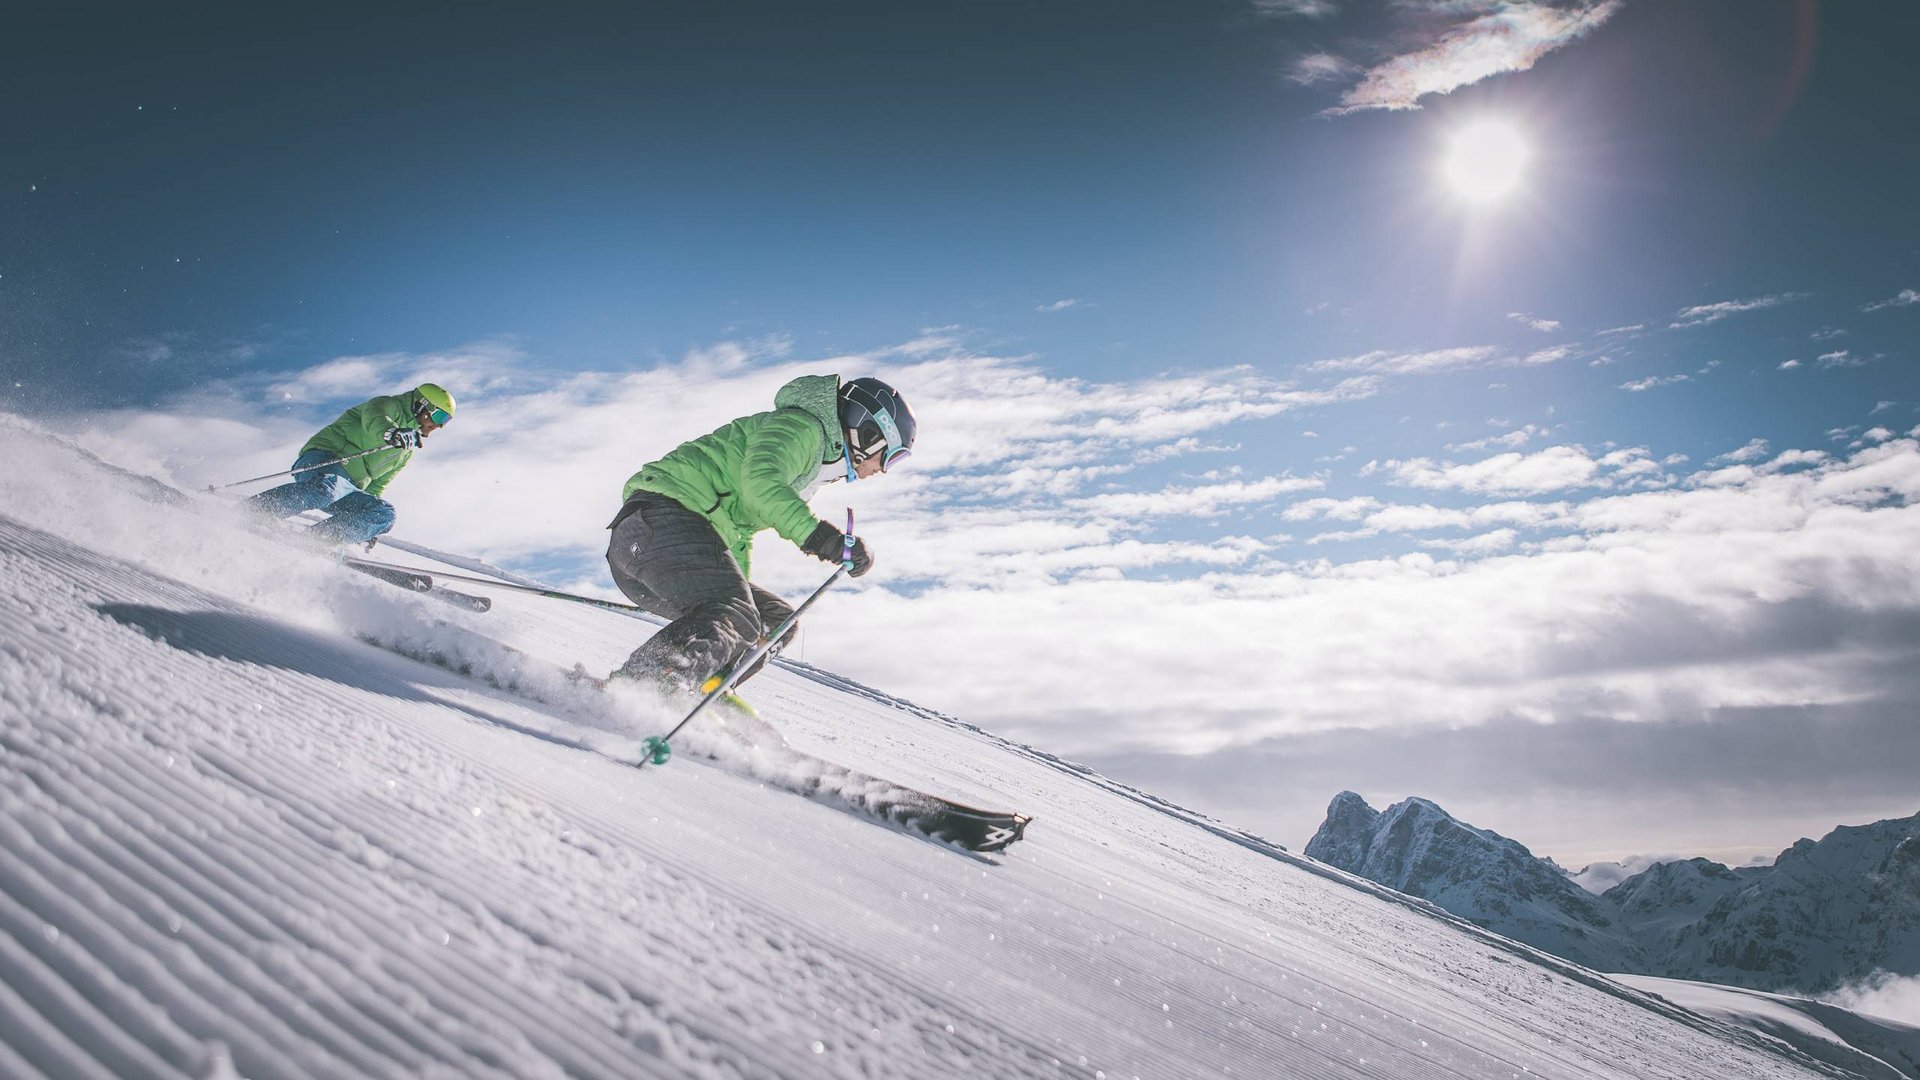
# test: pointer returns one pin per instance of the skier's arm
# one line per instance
(786, 445)
(374, 420)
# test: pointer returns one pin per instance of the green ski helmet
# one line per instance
(442, 402)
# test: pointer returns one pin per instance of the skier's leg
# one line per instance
(773, 612)
(357, 517)
(671, 561)
(309, 490)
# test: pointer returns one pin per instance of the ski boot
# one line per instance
(729, 699)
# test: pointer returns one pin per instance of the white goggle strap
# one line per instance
(888, 429)
(847, 455)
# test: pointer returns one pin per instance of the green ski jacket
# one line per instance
(364, 427)
(752, 474)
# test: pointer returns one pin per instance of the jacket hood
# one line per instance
(818, 395)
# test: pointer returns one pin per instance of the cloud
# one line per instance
(1518, 437)
(1392, 363)
(1624, 329)
(1545, 326)
(1553, 469)
(1826, 333)
(1058, 305)
(177, 350)
(1426, 518)
(1789, 365)
(1208, 500)
(1333, 509)
(1315, 68)
(1842, 358)
(1307, 9)
(1484, 544)
(1511, 37)
(1387, 362)
(1633, 467)
(1901, 299)
(1598, 877)
(1788, 459)
(482, 366)
(1883, 994)
(1640, 385)
(148, 350)
(1753, 451)
(1703, 314)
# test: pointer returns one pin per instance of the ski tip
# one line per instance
(1000, 837)
(1020, 823)
(986, 834)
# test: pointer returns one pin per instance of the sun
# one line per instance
(1486, 161)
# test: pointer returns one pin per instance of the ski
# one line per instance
(930, 815)
(409, 579)
(415, 581)
(767, 756)
(406, 579)
(970, 827)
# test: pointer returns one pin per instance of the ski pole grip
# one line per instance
(846, 542)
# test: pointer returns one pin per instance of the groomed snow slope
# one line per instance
(237, 840)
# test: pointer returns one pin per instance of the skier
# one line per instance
(683, 539)
(334, 472)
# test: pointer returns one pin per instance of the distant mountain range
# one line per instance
(1825, 914)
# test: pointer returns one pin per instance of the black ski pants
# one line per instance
(671, 561)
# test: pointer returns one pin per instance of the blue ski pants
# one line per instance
(355, 517)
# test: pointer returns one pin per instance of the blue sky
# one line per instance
(1245, 436)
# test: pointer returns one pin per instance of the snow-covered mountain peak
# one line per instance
(1825, 913)
(1680, 873)
(1418, 848)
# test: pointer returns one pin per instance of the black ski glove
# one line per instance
(401, 438)
(828, 544)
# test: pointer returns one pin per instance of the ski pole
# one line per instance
(303, 468)
(655, 746)
(555, 594)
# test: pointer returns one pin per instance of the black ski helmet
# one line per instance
(877, 420)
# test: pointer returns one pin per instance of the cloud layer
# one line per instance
(1495, 39)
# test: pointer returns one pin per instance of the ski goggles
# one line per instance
(889, 436)
(437, 415)
(887, 457)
